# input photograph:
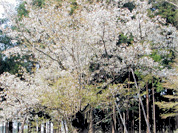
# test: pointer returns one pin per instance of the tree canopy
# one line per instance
(99, 64)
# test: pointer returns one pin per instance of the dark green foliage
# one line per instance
(14, 28)
(39, 3)
(133, 17)
(155, 56)
(93, 67)
(139, 75)
(3, 20)
(165, 59)
(167, 11)
(129, 5)
(159, 86)
(14, 63)
(5, 40)
(169, 58)
(73, 6)
(150, 13)
(124, 39)
(9, 64)
(80, 122)
(22, 11)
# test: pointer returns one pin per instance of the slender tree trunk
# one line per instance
(59, 127)
(10, 126)
(122, 118)
(127, 110)
(7, 127)
(64, 124)
(28, 127)
(37, 127)
(140, 118)
(176, 119)
(169, 128)
(144, 114)
(91, 126)
(69, 126)
(124, 121)
(133, 121)
(114, 122)
(154, 113)
(44, 127)
(112, 127)
(23, 123)
(147, 104)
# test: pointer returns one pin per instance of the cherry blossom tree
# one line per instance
(75, 46)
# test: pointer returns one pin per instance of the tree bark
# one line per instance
(64, 124)
(154, 113)
(140, 118)
(112, 127)
(127, 111)
(147, 123)
(147, 104)
(122, 118)
(10, 127)
(23, 123)
(133, 121)
(114, 122)
(124, 121)
(7, 127)
(37, 127)
(91, 127)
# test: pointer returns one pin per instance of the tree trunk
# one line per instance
(10, 127)
(147, 104)
(65, 128)
(59, 127)
(112, 127)
(91, 127)
(133, 122)
(121, 118)
(37, 127)
(114, 122)
(124, 121)
(7, 127)
(140, 118)
(144, 114)
(23, 123)
(127, 110)
(154, 113)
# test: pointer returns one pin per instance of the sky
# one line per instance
(1, 7)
